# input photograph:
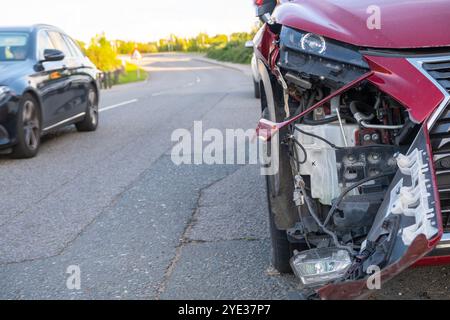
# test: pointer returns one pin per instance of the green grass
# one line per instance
(131, 74)
(232, 52)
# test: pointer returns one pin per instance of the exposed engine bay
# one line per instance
(344, 155)
(334, 149)
(356, 130)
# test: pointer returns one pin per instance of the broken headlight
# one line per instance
(320, 266)
(313, 44)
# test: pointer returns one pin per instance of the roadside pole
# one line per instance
(137, 57)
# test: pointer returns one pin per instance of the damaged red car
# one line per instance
(356, 118)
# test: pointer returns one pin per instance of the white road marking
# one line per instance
(118, 105)
(159, 93)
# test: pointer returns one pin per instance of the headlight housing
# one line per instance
(316, 45)
(315, 59)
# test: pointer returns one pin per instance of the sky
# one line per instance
(136, 20)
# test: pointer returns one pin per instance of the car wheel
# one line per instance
(280, 190)
(90, 121)
(278, 202)
(28, 129)
(257, 89)
(281, 248)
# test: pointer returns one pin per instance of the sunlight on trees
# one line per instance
(105, 53)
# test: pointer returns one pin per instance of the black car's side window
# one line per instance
(44, 43)
(74, 47)
(59, 43)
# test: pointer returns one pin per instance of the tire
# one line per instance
(257, 89)
(280, 192)
(90, 121)
(282, 250)
(28, 129)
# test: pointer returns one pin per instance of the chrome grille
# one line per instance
(440, 71)
(440, 138)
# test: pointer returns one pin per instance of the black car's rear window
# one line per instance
(13, 46)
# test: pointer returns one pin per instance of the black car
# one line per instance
(46, 82)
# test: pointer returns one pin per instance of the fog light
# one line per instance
(320, 266)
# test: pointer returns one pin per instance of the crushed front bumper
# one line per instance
(408, 226)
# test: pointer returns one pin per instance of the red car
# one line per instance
(356, 116)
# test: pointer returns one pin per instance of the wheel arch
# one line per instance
(38, 99)
(283, 209)
(267, 89)
(94, 84)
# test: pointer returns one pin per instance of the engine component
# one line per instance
(367, 137)
(292, 78)
(364, 120)
(321, 161)
(356, 214)
(310, 204)
(357, 163)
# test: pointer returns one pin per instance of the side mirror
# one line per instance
(249, 44)
(265, 7)
(53, 55)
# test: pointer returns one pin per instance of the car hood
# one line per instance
(404, 23)
(10, 71)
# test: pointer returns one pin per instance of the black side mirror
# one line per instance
(53, 55)
(265, 7)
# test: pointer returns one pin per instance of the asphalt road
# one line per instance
(139, 227)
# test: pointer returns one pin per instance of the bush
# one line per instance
(131, 74)
(103, 55)
(234, 51)
(127, 47)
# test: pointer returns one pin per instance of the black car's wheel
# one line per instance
(90, 121)
(28, 129)
(257, 89)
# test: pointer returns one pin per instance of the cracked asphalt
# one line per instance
(139, 227)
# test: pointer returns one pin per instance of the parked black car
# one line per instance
(46, 82)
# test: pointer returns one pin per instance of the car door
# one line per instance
(53, 83)
(68, 104)
(80, 79)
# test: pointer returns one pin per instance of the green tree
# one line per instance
(102, 54)
(125, 47)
